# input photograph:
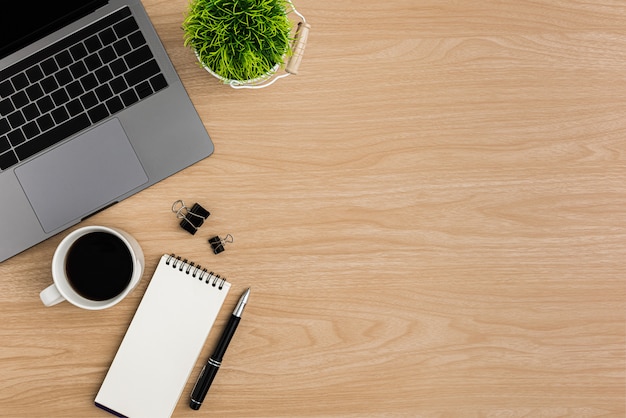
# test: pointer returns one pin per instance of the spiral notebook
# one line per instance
(163, 341)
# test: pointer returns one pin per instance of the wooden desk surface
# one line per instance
(432, 218)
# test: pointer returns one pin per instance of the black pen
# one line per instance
(213, 365)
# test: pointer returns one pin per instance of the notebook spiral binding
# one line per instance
(198, 271)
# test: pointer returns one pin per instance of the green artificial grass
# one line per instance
(239, 39)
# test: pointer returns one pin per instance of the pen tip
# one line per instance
(243, 300)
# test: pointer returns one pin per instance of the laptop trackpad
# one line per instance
(81, 176)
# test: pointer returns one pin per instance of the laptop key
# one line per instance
(158, 82)
(114, 104)
(34, 74)
(19, 81)
(4, 144)
(78, 69)
(6, 88)
(118, 66)
(31, 130)
(138, 56)
(143, 72)
(6, 107)
(93, 43)
(63, 58)
(104, 92)
(60, 97)
(74, 107)
(34, 92)
(45, 104)
(143, 90)
(4, 127)
(92, 62)
(89, 99)
(107, 36)
(89, 82)
(45, 122)
(103, 74)
(49, 66)
(31, 111)
(19, 99)
(118, 85)
(136, 39)
(129, 97)
(107, 54)
(122, 47)
(78, 51)
(49, 84)
(75, 89)
(16, 137)
(60, 115)
(125, 27)
(7, 160)
(98, 113)
(52, 136)
(64, 77)
(16, 119)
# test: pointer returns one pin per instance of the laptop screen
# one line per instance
(25, 22)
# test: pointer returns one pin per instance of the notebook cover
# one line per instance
(163, 342)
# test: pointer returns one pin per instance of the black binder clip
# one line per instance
(191, 218)
(217, 243)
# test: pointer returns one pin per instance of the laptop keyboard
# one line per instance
(73, 84)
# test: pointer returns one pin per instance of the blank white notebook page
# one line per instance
(163, 341)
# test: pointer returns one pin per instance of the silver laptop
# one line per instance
(91, 112)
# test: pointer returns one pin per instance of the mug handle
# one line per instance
(50, 296)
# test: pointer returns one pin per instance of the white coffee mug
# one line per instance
(94, 267)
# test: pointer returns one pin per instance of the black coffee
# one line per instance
(99, 266)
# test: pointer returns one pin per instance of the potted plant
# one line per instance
(241, 42)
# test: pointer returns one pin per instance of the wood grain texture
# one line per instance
(431, 215)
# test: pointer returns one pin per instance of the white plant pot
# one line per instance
(291, 67)
(240, 83)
